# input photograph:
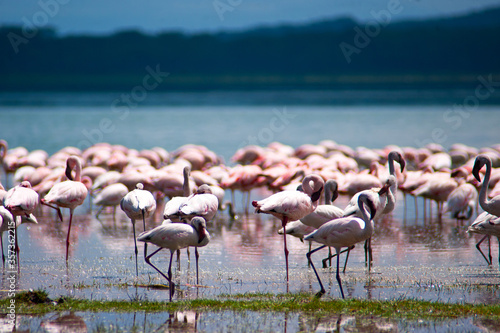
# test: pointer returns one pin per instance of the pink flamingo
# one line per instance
(68, 194)
(8, 221)
(492, 206)
(462, 200)
(292, 205)
(176, 236)
(20, 201)
(137, 204)
(343, 232)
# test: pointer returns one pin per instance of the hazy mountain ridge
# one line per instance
(439, 52)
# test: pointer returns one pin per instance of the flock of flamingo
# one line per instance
(303, 182)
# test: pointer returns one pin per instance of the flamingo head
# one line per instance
(365, 199)
(200, 226)
(391, 180)
(480, 161)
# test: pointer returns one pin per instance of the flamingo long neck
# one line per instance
(391, 196)
(392, 172)
(483, 198)
(391, 201)
(185, 186)
(366, 217)
(328, 195)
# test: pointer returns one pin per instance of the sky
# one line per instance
(151, 16)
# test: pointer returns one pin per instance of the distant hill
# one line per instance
(337, 53)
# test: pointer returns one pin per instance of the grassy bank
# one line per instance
(38, 302)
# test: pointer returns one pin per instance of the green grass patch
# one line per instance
(38, 302)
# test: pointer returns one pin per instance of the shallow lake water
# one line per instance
(414, 258)
(421, 259)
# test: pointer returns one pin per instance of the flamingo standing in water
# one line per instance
(343, 232)
(292, 205)
(68, 194)
(176, 236)
(8, 221)
(488, 225)
(491, 206)
(137, 204)
(20, 201)
(384, 200)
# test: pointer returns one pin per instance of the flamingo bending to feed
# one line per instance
(68, 194)
(176, 236)
(488, 225)
(343, 232)
(491, 206)
(292, 205)
(137, 204)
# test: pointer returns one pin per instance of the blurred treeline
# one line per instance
(441, 53)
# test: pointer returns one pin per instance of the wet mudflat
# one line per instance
(413, 259)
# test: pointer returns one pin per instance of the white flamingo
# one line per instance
(343, 232)
(488, 225)
(176, 236)
(202, 203)
(292, 205)
(110, 196)
(138, 204)
(68, 194)
(171, 210)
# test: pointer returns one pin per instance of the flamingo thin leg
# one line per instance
(335, 254)
(308, 255)
(148, 261)
(59, 214)
(69, 231)
(283, 223)
(172, 284)
(136, 252)
(196, 255)
(17, 251)
(144, 225)
(478, 246)
(338, 275)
